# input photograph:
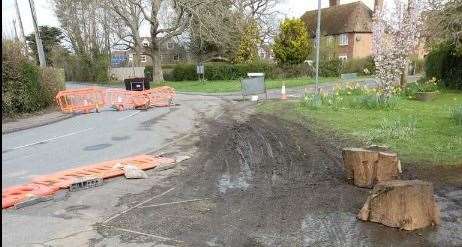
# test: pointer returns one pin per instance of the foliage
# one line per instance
(362, 66)
(375, 101)
(84, 68)
(417, 65)
(330, 68)
(456, 114)
(247, 51)
(26, 88)
(445, 64)
(443, 24)
(51, 37)
(227, 71)
(421, 86)
(292, 45)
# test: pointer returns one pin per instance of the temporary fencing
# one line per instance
(88, 99)
(161, 96)
(80, 100)
(47, 185)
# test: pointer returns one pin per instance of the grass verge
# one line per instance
(227, 86)
(421, 132)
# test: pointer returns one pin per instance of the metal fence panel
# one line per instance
(253, 85)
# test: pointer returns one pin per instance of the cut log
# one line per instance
(407, 205)
(368, 167)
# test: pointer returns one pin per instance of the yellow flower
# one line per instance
(349, 92)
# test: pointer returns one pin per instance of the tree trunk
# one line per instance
(403, 79)
(408, 205)
(367, 167)
(157, 75)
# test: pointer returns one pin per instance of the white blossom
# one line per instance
(396, 34)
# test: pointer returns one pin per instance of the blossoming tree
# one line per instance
(396, 34)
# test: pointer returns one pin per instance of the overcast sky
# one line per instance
(45, 14)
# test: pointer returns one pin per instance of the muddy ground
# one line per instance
(257, 180)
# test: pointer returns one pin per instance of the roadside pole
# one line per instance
(318, 34)
(38, 40)
(21, 29)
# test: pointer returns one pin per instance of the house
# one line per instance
(349, 25)
(171, 52)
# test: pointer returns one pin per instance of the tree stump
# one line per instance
(367, 167)
(408, 205)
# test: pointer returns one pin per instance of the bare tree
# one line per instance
(168, 19)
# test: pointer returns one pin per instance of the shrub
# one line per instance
(445, 64)
(456, 114)
(362, 66)
(422, 85)
(227, 71)
(26, 88)
(293, 44)
(53, 81)
(330, 68)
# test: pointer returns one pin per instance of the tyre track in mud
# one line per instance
(267, 182)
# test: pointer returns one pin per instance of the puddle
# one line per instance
(97, 147)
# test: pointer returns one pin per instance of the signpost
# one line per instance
(200, 71)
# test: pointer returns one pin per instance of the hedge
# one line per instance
(445, 64)
(227, 71)
(26, 88)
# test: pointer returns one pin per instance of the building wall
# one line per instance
(345, 50)
(362, 45)
(126, 72)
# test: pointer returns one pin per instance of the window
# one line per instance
(170, 45)
(130, 57)
(143, 58)
(176, 57)
(330, 39)
(343, 57)
(343, 39)
(145, 44)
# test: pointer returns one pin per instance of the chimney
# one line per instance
(378, 5)
(334, 3)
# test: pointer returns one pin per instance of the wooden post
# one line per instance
(366, 167)
(407, 205)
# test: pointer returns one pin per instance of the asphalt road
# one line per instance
(90, 138)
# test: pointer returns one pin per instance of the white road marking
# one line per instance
(131, 115)
(50, 139)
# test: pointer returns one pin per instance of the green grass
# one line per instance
(227, 86)
(421, 132)
(235, 85)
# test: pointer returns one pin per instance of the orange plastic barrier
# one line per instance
(49, 184)
(13, 195)
(88, 99)
(161, 96)
(80, 100)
